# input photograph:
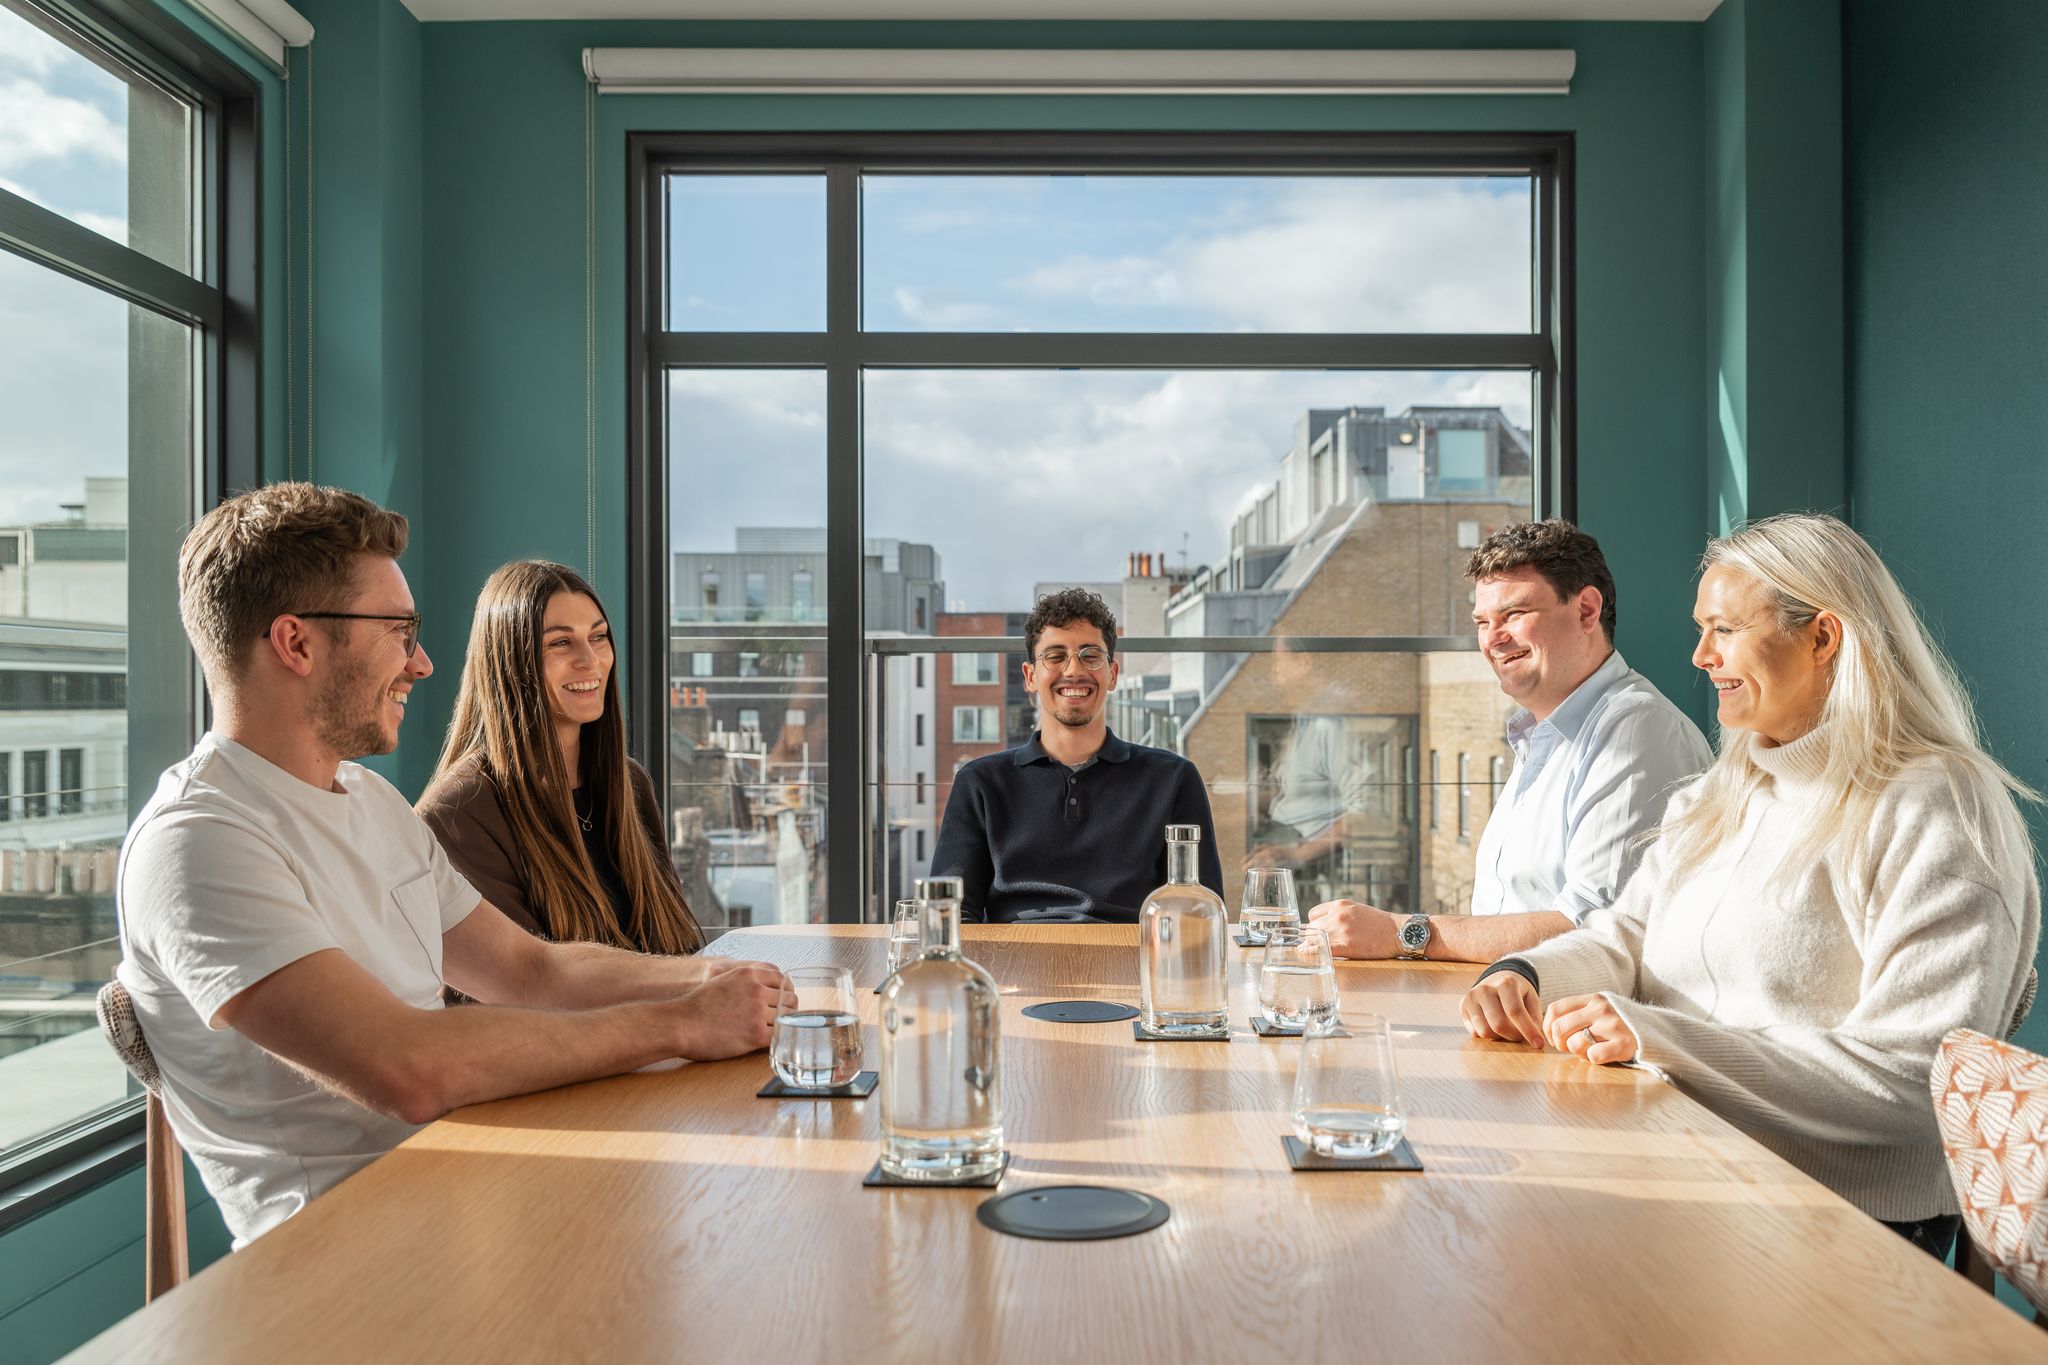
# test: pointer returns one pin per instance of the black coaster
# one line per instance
(1073, 1213)
(1266, 1030)
(1237, 936)
(1303, 1157)
(875, 1180)
(1081, 1011)
(863, 1084)
(1145, 1035)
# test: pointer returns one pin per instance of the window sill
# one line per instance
(43, 1176)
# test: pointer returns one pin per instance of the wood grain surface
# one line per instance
(1567, 1214)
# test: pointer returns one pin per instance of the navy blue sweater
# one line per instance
(1035, 841)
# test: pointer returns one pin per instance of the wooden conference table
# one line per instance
(1567, 1213)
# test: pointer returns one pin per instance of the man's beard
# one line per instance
(343, 721)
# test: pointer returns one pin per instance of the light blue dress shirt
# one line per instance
(1588, 779)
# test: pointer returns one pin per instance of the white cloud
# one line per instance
(36, 125)
(63, 388)
(1334, 256)
(939, 311)
(28, 48)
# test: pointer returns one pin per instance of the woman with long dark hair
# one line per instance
(534, 798)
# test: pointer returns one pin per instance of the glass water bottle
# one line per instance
(1183, 942)
(941, 1083)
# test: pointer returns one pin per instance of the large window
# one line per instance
(128, 375)
(1261, 394)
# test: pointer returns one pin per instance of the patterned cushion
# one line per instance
(1991, 1103)
(117, 1020)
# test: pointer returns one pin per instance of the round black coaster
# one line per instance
(1073, 1213)
(1081, 1011)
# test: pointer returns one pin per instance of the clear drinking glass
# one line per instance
(1268, 901)
(1297, 983)
(1184, 948)
(903, 934)
(941, 1081)
(1347, 1096)
(817, 1029)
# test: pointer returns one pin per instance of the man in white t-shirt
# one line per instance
(287, 922)
(1598, 751)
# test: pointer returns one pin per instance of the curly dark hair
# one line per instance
(1065, 608)
(1567, 557)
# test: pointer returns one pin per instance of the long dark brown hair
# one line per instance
(502, 713)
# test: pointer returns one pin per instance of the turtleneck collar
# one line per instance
(1798, 766)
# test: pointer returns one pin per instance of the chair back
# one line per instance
(1991, 1105)
(116, 1010)
(166, 1255)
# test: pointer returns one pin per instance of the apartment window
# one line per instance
(976, 725)
(707, 590)
(1434, 789)
(1464, 796)
(999, 336)
(35, 783)
(129, 361)
(750, 664)
(700, 665)
(920, 846)
(918, 729)
(70, 781)
(750, 720)
(917, 671)
(800, 589)
(757, 595)
(919, 789)
(976, 670)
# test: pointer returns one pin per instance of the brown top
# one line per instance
(1568, 1214)
(462, 807)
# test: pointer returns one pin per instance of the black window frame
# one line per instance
(222, 300)
(843, 350)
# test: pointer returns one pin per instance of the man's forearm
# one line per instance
(579, 976)
(464, 1056)
(1485, 938)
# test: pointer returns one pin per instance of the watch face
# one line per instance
(1415, 934)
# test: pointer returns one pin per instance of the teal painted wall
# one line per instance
(504, 257)
(1947, 207)
(1947, 196)
(1776, 435)
(68, 1274)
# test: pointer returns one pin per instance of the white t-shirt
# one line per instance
(233, 870)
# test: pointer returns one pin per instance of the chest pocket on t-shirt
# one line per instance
(420, 908)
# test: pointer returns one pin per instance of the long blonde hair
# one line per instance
(502, 714)
(1893, 700)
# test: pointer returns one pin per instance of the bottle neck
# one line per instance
(1180, 862)
(938, 928)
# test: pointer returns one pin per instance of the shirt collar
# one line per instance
(1113, 750)
(1572, 713)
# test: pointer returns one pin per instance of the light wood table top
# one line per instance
(1567, 1214)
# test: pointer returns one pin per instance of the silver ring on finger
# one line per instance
(1590, 1039)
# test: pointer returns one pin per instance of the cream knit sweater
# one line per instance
(1809, 1023)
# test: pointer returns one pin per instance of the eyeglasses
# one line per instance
(410, 636)
(1092, 658)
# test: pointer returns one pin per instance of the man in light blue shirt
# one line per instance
(1598, 752)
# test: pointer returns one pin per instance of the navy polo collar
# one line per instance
(1113, 750)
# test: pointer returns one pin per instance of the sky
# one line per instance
(63, 345)
(1020, 477)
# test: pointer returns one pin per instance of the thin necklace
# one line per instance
(577, 806)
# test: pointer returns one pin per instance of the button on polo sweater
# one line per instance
(1036, 841)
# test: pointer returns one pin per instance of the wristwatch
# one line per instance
(1415, 936)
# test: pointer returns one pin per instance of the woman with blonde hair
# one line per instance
(1850, 880)
(535, 799)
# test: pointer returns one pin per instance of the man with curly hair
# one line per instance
(1071, 826)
